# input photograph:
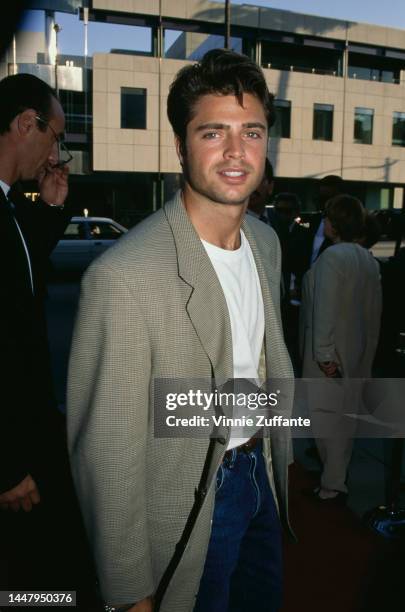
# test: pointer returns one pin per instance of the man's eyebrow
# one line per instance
(213, 126)
(224, 126)
(255, 124)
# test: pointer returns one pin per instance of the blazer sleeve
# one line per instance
(328, 285)
(107, 417)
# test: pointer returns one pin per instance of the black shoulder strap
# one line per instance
(199, 497)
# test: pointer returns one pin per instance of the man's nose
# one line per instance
(234, 146)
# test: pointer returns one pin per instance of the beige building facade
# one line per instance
(339, 90)
(300, 155)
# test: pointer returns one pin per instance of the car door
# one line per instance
(73, 252)
(103, 234)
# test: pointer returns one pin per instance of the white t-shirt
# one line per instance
(236, 271)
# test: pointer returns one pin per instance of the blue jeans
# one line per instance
(243, 567)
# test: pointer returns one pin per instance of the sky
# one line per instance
(380, 12)
(103, 37)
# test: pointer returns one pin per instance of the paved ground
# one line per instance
(61, 309)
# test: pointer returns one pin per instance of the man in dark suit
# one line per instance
(329, 186)
(262, 194)
(34, 472)
(296, 242)
(296, 246)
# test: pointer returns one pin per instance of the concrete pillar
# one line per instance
(50, 38)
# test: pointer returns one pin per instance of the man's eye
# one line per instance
(210, 135)
(253, 135)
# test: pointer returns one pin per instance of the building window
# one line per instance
(398, 129)
(77, 110)
(363, 125)
(323, 122)
(299, 54)
(282, 125)
(133, 108)
(375, 63)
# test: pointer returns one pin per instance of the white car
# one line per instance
(84, 239)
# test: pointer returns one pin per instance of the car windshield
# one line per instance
(104, 231)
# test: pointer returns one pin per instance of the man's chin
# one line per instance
(230, 198)
(227, 197)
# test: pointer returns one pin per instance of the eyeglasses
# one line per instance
(64, 155)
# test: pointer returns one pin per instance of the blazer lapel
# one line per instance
(206, 305)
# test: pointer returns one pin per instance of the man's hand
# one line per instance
(23, 496)
(53, 185)
(145, 605)
(329, 368)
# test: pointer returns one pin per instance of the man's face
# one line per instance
(328, 229)
(226, 147)
(41, 147)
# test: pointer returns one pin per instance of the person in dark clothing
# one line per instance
(40, 526)
(390, 357)
(261, 196)
(329, 186)
(296, 244)
(372, 230)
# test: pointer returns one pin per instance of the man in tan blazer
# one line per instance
(159, 305)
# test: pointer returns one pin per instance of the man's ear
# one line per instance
(26, 121)
(179, 149)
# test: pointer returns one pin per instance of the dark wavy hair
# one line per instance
(347, 216)
(221, 72)
(20, 92)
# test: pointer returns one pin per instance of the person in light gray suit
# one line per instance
(339, 329)
(192, 291)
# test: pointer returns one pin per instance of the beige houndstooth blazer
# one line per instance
(152, 307)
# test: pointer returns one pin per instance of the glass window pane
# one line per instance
(398, 129)
(363, 125)
(133, 108)
(75, 231)
(297, 57)
(282, 125)
(77, 110)
(104, 231)
(323, 122)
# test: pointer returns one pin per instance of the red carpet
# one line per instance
(338, 564)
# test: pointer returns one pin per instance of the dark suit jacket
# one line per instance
(314, 222)
(27, 411)
(299, 252)
(296, 248)
(388, 362)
